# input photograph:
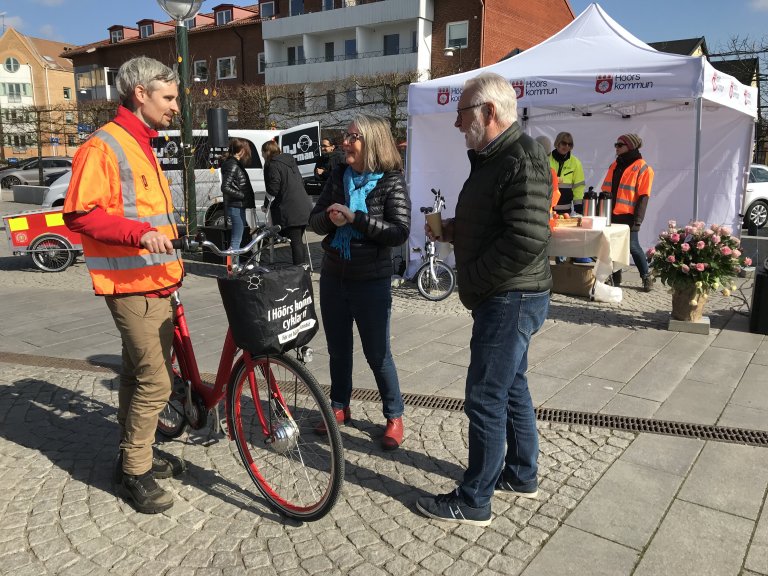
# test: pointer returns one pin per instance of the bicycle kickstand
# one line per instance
(218, 424)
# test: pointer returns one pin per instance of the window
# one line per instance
(414, 42)
(115, 36)
(757, 174)
(223, 17)
(145, 30)
(69, 117)
(330, 100)
(225, 68)
(67, 93)
(267, 9)
(351, 97)
(111, 76)
(456, 34)
(190, 23)
(297, 7)
(301, 102)
(262, 62)
(296, 55)
(329, 51)
(72, 140)
(200, 70)
(11, 64)
(391, 44)
(327, 4)
(350, 49)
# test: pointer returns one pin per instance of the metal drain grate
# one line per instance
(628, 423)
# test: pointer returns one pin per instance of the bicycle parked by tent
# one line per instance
(435, 279)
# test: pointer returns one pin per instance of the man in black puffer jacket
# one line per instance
(500, 236)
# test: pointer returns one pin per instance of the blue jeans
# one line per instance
(498, 403)
(638, 255)
(236, 216)
(369, 304)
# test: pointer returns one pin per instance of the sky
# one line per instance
(84, 21)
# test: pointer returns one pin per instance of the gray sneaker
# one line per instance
(145, 493)
(504, 487)
(452, 508)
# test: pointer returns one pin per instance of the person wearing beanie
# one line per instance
(629, 180)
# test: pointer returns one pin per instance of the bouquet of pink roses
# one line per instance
(697, 257)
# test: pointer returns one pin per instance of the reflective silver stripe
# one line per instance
(126, 174)
(128, 262)
(643, 169)
(628, 187)
(625, 202)
(607, 183)
(577, 184)
(157, 219)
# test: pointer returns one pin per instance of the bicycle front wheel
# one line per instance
(437, 286)
(273, 410)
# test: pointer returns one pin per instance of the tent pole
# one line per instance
(697, 154)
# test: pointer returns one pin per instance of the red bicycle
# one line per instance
(273, 404)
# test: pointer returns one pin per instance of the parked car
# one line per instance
(56, 191)
(29, 173)
(756, 198)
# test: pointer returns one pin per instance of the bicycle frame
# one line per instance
(212, 396)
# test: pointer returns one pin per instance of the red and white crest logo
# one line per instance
(747, 98)
(443, 95)
(714, 81)
(603, 83)
(519, 87)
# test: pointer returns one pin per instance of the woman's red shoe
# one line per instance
(343, 416)
(393, 435)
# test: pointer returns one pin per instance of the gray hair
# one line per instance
(490, 87)
(141, 71)
(379, 148)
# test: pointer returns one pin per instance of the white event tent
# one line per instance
(597, 81)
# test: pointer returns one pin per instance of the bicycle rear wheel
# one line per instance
(439, 286)
(172, 422)
(273, 410)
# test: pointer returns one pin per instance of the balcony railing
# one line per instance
(14, 98)
(339, 58)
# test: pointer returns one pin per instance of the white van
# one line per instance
(302, 141)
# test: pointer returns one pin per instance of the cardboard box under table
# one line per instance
(610, 246)
(573, 279)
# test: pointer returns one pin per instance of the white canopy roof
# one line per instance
(597, 81)
(594, 61)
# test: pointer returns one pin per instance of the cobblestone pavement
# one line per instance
(58, 513)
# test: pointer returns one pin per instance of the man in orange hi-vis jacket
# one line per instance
(119, 201)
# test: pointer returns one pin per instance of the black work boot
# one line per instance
(616, 278)
(647, 283)
(145, 493)
(165, 466)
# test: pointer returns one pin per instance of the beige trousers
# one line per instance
(146, 328)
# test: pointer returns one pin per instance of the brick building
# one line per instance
(35, 74)
(317, 50)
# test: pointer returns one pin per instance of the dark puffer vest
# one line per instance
(501, 230)
(386, 225)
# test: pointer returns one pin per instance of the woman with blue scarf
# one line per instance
(364, 211)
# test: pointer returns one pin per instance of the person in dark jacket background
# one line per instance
(236, 189)
(364, 211)
(290, 205)
(500, 236)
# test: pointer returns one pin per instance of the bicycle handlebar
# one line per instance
(190, 245)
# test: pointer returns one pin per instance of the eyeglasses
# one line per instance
(352, 137)
(460, 110)
(618, 144)
(326, 146)
(566, 143)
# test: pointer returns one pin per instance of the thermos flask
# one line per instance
(605, 207)
(589, 206)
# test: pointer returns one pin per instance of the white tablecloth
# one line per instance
(610, 246)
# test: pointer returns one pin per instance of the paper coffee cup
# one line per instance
(434, 219)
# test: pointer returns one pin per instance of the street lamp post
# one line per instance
(180, 11)
(451, 49)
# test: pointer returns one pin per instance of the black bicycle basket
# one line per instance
(270, 310)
